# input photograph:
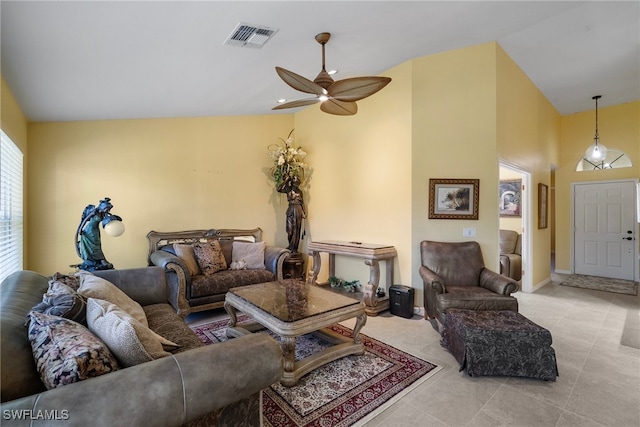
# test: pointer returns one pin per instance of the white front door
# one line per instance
(605, 229)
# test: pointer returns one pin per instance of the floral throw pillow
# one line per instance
(66, 352)
(210, 257)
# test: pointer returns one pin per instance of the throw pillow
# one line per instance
(92, 286)
(129, 340)
(238, 265)
(72, 281)
(251, 253)
(66, 352)
(187, 255)
(210, 258)
(61, 300)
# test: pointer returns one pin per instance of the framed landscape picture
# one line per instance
(510, 204)
(454, 198)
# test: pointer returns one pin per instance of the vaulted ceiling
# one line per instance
(85, 60)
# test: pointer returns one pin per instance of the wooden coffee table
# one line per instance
(291, 308)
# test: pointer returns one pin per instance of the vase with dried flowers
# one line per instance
(287, 160)
(288, 174)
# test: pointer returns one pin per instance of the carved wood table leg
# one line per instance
(361, 320)
(370, 289)
(231, 311)
(288, 346)
(313, 277)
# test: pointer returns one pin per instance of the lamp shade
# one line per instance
(114, 228)
(596, 152)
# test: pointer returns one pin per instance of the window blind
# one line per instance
(11, 211)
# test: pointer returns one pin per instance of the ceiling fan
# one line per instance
(337, 97)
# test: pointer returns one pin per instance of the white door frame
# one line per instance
(526, 210)
(636, 203)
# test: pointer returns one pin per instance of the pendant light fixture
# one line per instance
(596, 151)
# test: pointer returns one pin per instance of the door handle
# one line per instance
(627, 238)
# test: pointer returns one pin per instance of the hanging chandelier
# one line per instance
(596, 152)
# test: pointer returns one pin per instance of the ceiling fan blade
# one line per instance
(357, 88)
(298, 82)
(339, 108)
(294, 104)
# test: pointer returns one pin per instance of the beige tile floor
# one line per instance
(599, 382)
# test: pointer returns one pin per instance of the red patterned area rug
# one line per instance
(346, 392)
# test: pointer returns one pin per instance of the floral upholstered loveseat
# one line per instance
(202, 265)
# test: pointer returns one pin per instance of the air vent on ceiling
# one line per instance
(248, 35)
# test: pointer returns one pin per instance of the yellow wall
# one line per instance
(440, 117)
(451, 115)
(360, 185)
(619, 128)
(528, 129)
(161, 174)
(454, 136)
(13, 122)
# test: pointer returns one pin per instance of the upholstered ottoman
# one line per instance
(499, 343)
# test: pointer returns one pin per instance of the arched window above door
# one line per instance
(615, 159)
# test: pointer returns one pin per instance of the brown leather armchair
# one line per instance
(454, 276)
(511, 254)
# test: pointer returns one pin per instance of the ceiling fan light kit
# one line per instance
(337, 97)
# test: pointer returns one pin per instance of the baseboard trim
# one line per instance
(541, 284)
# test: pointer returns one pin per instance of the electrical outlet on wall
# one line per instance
(468, 232)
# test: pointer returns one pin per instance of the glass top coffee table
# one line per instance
(291, 308)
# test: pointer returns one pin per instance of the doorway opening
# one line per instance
(515, 213)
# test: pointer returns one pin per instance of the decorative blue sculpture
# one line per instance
(87, 241)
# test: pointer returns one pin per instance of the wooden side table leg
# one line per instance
(313, 277)
(389, 274)
(231, 311)
(370, 289)
(288, 346)
(361, 320)
(332, 265)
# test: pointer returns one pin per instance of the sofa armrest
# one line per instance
(146, 285)
(170, 391)
(177, 278)
(433, 286)
(511, 266)
(274, 258)
(497, 283)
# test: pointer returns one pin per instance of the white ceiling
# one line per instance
(85, 60)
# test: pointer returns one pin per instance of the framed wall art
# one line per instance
(454, 198)
(543, 205)
(510, 204)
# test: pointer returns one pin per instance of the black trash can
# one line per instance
(401, 301)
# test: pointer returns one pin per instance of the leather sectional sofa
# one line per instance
(195, 385)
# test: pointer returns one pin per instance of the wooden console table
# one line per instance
(371, 253)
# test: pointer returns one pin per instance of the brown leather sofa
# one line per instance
(192, 293)
(454, 276)
(511, 254)
(210, 385)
